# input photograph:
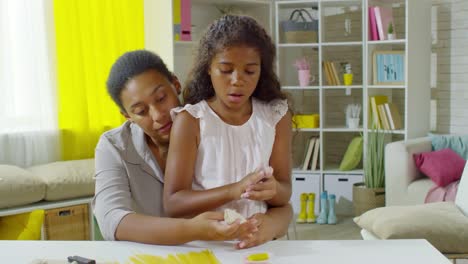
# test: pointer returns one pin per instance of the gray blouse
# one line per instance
(128, 178)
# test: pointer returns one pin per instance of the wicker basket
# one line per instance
(300, 28)
(365, 199)
(67, 223)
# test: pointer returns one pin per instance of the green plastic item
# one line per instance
(353, 155)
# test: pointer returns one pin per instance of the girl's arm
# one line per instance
(280, 160)
(179, 198)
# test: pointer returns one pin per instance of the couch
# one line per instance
(48, 186)
(406, 216)
(404, 184)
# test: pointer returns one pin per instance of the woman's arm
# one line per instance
(171, 231)
(113, 210)
(179, 198)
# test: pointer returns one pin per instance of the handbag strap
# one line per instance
(300, 11)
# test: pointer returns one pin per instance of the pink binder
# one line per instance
(373, 35)
(384, 16)
(185, 20)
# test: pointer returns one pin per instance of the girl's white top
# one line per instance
(227, 153)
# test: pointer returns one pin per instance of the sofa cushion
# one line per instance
(457, 143)
(417, 190)
(442, 166)
(461, 200)
(19, 187)
(442, 224)
(66, 179)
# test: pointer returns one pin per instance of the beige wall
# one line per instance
(450, 25)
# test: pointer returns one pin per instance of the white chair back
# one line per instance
(462, 194)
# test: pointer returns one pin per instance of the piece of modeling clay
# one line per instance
(230, 216)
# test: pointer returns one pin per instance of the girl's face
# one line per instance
(234, 73)
(148, 99)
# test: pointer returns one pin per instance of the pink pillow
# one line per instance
(442, 166)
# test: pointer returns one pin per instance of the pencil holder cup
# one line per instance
(353, 122)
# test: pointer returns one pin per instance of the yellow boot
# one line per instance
(301, 218)
(311, 208)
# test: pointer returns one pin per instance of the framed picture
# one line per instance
(389, 67)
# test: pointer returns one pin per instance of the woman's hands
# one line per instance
(210, 226)
(264, 232)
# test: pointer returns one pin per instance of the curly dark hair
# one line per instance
(129, 65)
(225, 32)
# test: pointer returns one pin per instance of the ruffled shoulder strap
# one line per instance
(278, 108)
(195, 110)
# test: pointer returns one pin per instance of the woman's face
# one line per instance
(148, 99)
(234, 73)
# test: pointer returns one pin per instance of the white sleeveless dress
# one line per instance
(228, 153)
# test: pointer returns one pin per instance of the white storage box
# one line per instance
(341, 185)
(305, 182)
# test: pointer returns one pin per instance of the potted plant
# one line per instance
(370, 194)
(390, 35)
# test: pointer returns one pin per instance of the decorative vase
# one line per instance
(304, 77)
(348, 78)
(365, 199)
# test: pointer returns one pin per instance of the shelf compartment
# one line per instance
(299, 149)
(335, 145)
(341, 21)
(394, 96)
(286, 32)
(398, 10)
(334, 108)
(333, 60)
(288, 73)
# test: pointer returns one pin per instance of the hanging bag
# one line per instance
(299, 29)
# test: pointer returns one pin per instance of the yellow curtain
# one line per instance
(90, 36)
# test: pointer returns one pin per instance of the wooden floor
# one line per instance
(345, 229)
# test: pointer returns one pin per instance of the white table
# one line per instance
(297, 251)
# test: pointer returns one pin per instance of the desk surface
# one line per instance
(297, 251)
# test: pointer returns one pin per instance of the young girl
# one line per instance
(235, 126)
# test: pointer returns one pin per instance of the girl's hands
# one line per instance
(262, 190)
(239, 188)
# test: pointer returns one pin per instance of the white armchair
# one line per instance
(404, 184)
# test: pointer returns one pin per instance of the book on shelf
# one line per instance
(315, 157)
(331, 73)
(328, 75)
(373, 35)
(308, 153)
(394, 116)
(185, 20)
(176, 16)
(335, 73)
(374, 102)
(383, 117)
(383, 18)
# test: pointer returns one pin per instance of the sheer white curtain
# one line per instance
(28, 118)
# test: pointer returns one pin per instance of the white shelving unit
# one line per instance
(413, 29)
(179, 55)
